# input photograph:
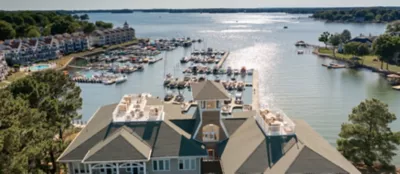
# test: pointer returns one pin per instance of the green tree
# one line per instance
(73, 27)
(367, 138)
(362, 49)
(345, 36)
(324, 38)
(335, 40)
(57, 98)
(104, 25)
(76, 17)
(28, 20)
(385, 46)
(84, 17)
(21, 135)
(33, 32)
(89, 28)
(6, 31)
(59, 27)
(393, 27)
(351, 48)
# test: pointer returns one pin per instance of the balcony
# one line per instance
(275, 123)
(134, 108)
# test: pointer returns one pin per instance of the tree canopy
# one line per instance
(367, 138)
(345, 36)
(393, 27)
(385, 47)
(104, 25)
(324, 38)
(356, 48)
(6, 30)
(22, 22)
(36, 111)
(372, 14)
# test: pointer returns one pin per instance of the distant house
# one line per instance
(364, 39)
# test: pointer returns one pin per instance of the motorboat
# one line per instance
(186, 78)
(285, 27)
(250, 72)
(243, 71)
(238, 98)
(181, 84)
(202, 78)
(173, 84)
(300, 44)
(146, 60)
(236, 72)
(169, 96)
(179, 98)
(300, 52)
(184, 60)
(229, 71)
(108, 82)
(215, 70)
(240, 86)
(140, 68)
(121, 79)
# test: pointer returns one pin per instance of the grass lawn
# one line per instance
(3, 84)
(367, 60)
(15, 76)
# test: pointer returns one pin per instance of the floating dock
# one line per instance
(255, 97)
(224, 57)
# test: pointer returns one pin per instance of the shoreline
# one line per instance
(373, 69)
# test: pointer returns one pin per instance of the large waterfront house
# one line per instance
(144, 135)
(112, 36)
(29, 50)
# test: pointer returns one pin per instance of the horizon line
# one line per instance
(209, 8)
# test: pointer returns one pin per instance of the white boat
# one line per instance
(250, 72)
(121, 79)
(108, 82)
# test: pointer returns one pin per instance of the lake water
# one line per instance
(296, 84)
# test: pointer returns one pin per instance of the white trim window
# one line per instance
(161, 165)
(187, 164)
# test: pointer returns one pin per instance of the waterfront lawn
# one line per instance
(367, 60)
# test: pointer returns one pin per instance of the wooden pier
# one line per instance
(221, 62)
(255, 98)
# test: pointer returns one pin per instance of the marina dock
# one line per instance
(221, 62)
(255, 97)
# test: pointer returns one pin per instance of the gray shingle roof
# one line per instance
(240, 146)
(232, 124)
(93, 132)
(164, 137)
(312, 154)
(209, 90)
(123, 145)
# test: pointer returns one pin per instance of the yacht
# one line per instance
(121, 79)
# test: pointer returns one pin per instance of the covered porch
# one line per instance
(108, 168)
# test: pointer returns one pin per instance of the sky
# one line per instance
(148, 4)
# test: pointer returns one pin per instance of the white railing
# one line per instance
(275, 123)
